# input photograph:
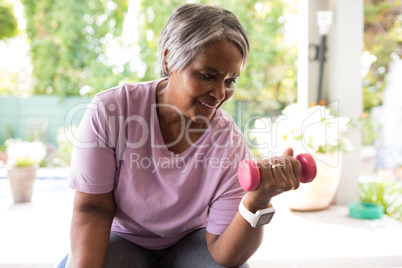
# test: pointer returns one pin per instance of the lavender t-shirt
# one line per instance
(160, 196)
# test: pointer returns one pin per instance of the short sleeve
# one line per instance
(93, 162)
(222, 211)
(227, 198)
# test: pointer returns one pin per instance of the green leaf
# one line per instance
(8, 23)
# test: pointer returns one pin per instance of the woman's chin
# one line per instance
(202, 119)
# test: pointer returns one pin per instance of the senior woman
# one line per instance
(154, 164)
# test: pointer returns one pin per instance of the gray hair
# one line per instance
(191, 27)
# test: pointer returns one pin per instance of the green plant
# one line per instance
(23, 153)
(8, 22)
(386, 193)
(69, 41)
(369, 128)
(316, 129)
(383, 40)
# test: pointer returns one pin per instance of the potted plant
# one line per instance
(23, 160)
(3, 155)
(382, 196)
(322, 134)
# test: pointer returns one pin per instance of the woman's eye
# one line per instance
(207, 76)
(231, 82)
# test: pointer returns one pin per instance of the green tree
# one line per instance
(68, 44)
(69, 40)
(8, 23)
(383, 39)
(8, 28)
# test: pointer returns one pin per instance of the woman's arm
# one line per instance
(237, 244)
(240, 240)
(90, 228)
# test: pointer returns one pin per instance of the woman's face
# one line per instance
(207, 82)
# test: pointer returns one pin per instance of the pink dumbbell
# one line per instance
(249, 173)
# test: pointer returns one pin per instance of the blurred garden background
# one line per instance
(55, 55)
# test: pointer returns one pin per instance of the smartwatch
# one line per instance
(261, 217)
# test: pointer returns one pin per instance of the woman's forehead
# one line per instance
(220, 56)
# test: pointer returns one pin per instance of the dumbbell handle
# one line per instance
(249, 173)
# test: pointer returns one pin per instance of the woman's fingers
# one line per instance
(283, 172)
(279, 174)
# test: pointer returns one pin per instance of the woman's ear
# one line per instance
(165, 65)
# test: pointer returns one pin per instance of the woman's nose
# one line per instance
(219, 91)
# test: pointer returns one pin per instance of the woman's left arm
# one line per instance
(240, 240)
(236, 244)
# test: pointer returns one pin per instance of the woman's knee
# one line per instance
(191, 251)
(123, 253)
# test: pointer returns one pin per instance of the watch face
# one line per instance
(265, 219)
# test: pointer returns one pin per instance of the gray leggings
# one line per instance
(191, 251)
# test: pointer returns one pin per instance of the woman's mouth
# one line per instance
(208, 107)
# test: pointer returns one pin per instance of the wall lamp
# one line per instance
(324, 21)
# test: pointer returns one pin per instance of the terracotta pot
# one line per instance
(3, 157)
(318, 194)
(22, 181)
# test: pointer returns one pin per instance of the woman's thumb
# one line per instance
(288, 152)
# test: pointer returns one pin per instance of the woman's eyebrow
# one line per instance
(211, 69)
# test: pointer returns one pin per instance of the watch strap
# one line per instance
(249, 216)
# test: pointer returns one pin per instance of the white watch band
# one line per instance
(255, 219)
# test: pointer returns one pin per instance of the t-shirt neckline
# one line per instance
(157, 130)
